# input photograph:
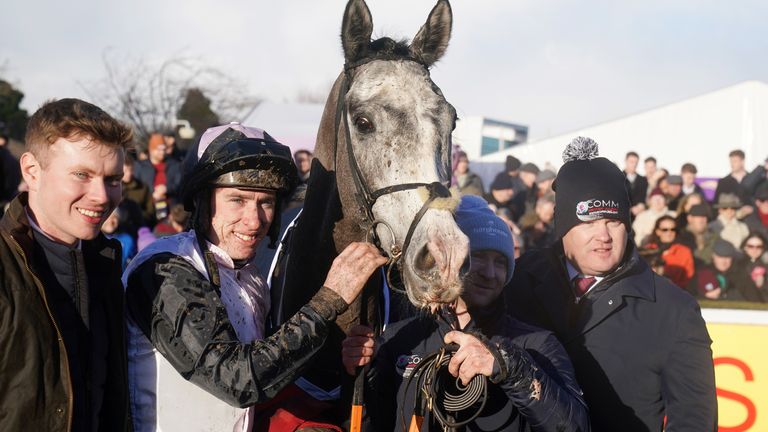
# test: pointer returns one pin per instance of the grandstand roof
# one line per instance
(702, 130)
(293, 124)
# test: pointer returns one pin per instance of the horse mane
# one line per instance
(386, 48)
(389, 47)
(311, 245)
(311, 251)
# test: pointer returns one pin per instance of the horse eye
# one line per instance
(364, 125)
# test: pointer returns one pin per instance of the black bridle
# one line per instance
(367, 198)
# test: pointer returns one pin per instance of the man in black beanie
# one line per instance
(506, 201)
(638, 343)
(511, 173)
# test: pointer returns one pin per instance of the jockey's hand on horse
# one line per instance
(472, 358)
(357, 348)
(352, 268)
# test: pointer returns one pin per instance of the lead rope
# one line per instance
(443, 395)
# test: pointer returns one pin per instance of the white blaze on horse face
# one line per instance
(395, 109)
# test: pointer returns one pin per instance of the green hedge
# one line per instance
(728, 304)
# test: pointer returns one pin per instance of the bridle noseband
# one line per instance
(364, 197)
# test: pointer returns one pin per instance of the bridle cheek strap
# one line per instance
(436, 190)
(364, 197)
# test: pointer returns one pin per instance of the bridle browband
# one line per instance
(364, 196)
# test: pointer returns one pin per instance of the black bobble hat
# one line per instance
(512, 163)
(588, 188)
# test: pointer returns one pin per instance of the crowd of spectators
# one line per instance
(151, 182)
(715, 249)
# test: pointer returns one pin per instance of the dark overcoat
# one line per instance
(36, 385)
(638, 343)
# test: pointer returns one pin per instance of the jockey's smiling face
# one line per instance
(240, 219)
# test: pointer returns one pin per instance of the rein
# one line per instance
(364, 197)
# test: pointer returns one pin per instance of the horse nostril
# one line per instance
(424, 261)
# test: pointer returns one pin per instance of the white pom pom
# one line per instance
(581, 148)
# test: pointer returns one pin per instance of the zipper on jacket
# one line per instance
(55, 326)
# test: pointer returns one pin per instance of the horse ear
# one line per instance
(431, 41)
(356, 30)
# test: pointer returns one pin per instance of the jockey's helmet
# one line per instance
(236, 156)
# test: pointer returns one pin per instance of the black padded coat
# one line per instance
(509, 406)
(181, 313)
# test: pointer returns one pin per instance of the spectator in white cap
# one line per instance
(727, 225)
(197, 305)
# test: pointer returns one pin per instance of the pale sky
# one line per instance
(552, 65)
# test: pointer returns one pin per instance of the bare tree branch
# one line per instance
(148, 95)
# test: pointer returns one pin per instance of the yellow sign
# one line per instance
(741, 372)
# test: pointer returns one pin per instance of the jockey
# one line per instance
(196, 303)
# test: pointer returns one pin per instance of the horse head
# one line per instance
(391, 126)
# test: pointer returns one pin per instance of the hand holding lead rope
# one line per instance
(447, 394)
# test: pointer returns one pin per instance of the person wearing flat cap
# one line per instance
(544, 181)
(638, 343)
(528, 173)
(697, 235)
(726, 278)
(674, 190)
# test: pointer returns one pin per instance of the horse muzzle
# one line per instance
(434, 266)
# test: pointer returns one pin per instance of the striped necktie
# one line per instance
(581, 284)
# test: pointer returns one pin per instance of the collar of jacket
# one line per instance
(620, 281)
(447, 321)
(488, 318)
(15, 223)
(570, 319)
(485, 321)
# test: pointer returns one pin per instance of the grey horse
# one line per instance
(382, 160)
